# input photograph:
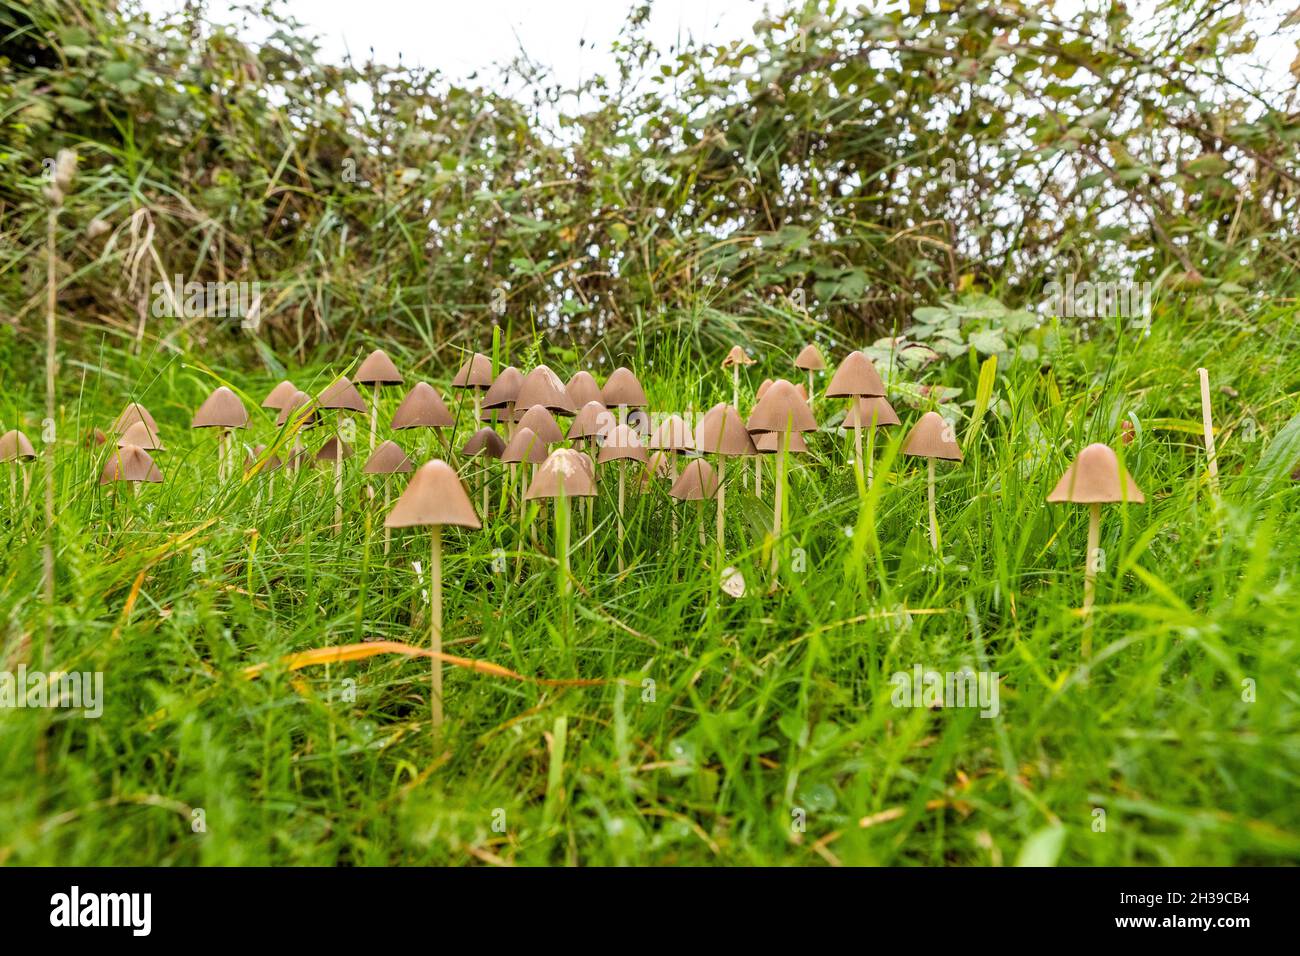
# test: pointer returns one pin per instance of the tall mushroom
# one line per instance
(297, 412)
(1095, 478)
(783, 412)
(16, 447)
(434, 498)
(932, 438)
(810, 360)
(341, 396)
(565, 474)
(130, 463)
(623, 391)
(697, 482)
(377, 370)
(278, 396)
(734, 360)
(542, 423)
(523, 448)
(225, 411)
(485, 443)
(475, 375)
(140, 436)
(388, 459)
(871, 414)
(722, 432)
(583, 390)
(543, 387)
(621, 445)
(856, 378)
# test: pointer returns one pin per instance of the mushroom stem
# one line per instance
(621, 471)
(871, 454)
(1090, 576)
(722, 505)
(510, 420)
(487, 481)
(338, 482)
(857, 447)
(1207, 421)
(811, 396)
(778, 498)
(388, 532)
(934, 520)
(735, 386)
(562, 539)
(435, 622)
(758, 476)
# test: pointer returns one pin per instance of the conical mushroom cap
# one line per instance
(523, 446)
(869, 412)
(130, 463)
(422, 408)
(543, 387)
(272, 464)
(622, 388)
(342, 395)
(1097, 477)
(855, 376)
(769, 443)
(329, 450)
(929, 438)
(485, 441)
(378, 369)
(134, 412)
(762, 389)
(592, 419)
(564, 469)
(542, 422)
(621, 443)
(722, 432)
(781, 409)
(435, 495)
(810, 359)
(475, 373)
(223, 409)
(583, 390)
(140, 436)
(388, 459)
(14, 445)
(697, 482)
(673, 434)
(299, 407)
(736, 356)
(276, 397)
(658, 465)
(505, 389)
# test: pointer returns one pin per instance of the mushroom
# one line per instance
(583, 390)
(930, 438)
(856, 378)
(1207, 424)
(1096, 477)
(434, 497)
(475, 375)
(621, 445)
(377, 370)
(278, 396)
(134, 412)
(563, 475)
(503, 393)
(810, 360)
(870, 413)
(543, 387)
(722, 432)
(222, 410)
(673, 435)
(16, 447)
(781, 412)
(697, 482)
(542, 423)
(622, 390)
(422, 408)
(734, 360)
(342, 396)
(524, 447)
(486, 443)
(138, 434)
(132, 464)
(388, 459)
(259, 462)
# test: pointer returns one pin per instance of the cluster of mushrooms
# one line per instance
(609, 426)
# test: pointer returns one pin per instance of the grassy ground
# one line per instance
(749, 731)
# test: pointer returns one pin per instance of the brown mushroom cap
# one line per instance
(223, 409)
(737, 356)
(762, 389)
(722, 432)
(622, 388)
(329, 450)
(434, 496)
(673, 434)
(927, 439)
(658, 465)
(583, 390)
(523, 446)
(622, 443)
(140, 436)
(422, 408)
(810, 359)
(856, 376)
(272, 464)
(485, 441)
(781, 409)
(278, 396)
(475, 373)
(300, 408)
(388, 459)
(378, 369)
(134, 412)
(697, 482)
(542, 422)
(1096, 477)
(870, 412)
(592, 419)
(15, 445)
(342, 395)
(563, 470)
(769, 443)
(543, 387)
(129, 463)
(505, 389)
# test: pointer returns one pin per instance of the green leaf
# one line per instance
(1279, 458)
(1043, 848)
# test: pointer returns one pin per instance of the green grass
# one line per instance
(761, 709)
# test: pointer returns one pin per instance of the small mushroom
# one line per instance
(14, 448)
(504, 392)
(621, 445)
(341, 396)
(378, 371)
(810, 360)
(542, 423)
(734, 360)
(697, 482)
(563, 475)
(673, 435)
(299, 411)
(139, 435)
(856, 378)
(277, 397)
(782, 412)
(222, 410)
(583, 390)
(134, 412)
(543, 387)
(132, 464)
(623, 389)
(476, 376)
(722, 432)
(388, 459)
(932, 438)
(485, 443)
